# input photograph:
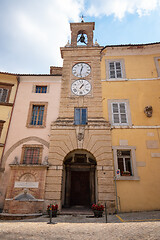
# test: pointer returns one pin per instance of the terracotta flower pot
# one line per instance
(97, 213)
(54, 213)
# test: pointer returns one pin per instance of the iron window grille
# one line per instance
(31, 155)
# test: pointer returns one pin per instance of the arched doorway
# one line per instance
(79, 176)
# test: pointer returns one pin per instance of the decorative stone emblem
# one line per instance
(80, 136)
(27, 177)
(148, 110)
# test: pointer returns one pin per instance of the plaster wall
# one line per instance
(141, 87)
(19, 133)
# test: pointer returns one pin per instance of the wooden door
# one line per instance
(80, 188)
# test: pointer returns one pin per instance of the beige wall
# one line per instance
(19, 134)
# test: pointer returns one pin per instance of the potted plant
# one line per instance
(53, 208)
(126, 173)
(98, 210)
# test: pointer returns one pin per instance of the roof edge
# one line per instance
(130, 45)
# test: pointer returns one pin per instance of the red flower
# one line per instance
(97, 207)
(54, 207)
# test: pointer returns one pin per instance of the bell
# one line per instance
(82, 39)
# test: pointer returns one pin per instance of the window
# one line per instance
(157, 63)
(37, 114)
(115, 70)
(119, 112)
(41, 89)
(31, 154)
(80, 116)
(1, 126)
(124, 162)
(4, 94)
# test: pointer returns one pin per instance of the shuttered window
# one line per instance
(115, 70)
(119, 113)
(3, 94)
(80, 116)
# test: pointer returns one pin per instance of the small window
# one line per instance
(119, 113)
(41, 89)
(3, 94)
(115, 70)
(37, 115)
(157, 62)
(80, 116)
(1, 126)
(124, 162)
(31, 154)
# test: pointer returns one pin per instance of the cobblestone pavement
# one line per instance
(126, 226)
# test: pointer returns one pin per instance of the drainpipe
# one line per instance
(18, 81)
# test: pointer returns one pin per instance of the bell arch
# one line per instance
(82, 37)
(79, 179)
(82, 28)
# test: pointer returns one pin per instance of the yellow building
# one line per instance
(8, 87)
(131, 103)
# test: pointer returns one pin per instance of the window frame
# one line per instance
(157, 59)
(41, 86)
(1, 126)
(29, 119)
(132, 149)
(127, 112)
(36, 146)
(122, 65)
(8, 87)
(80, 120)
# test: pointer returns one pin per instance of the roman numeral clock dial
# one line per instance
(81, 87)
(81, 70)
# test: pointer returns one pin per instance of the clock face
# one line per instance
(81, 87)
(81, 70)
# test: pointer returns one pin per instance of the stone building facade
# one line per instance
(88, 132)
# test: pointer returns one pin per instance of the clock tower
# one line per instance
(80, 156)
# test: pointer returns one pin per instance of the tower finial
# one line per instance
(82, 18)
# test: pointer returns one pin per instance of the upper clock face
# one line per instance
(81, 87)
(81, 70)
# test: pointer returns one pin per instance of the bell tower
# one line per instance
(80, 132)
(81, 29)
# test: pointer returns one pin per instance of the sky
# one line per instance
(32, 31)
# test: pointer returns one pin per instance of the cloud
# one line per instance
(120, 7)
(34, 31)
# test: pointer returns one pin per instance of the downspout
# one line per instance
(18, 81)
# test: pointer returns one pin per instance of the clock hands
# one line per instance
(81, 70)
(81, 86)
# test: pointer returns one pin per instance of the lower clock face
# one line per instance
(81, 87)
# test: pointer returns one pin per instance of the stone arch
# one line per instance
(27, 177)
(24, 140)
(84, 33)
(79, 173)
